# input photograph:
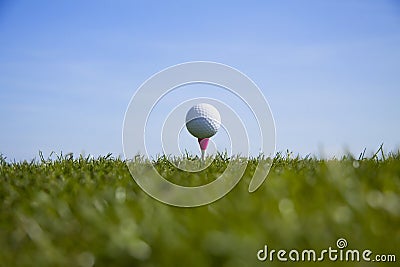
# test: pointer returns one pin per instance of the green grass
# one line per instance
(79, 211)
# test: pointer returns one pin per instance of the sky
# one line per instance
(330, 70)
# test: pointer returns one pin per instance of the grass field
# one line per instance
(90, 212)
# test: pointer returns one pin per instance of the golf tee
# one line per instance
(203, 142)
(203, 155)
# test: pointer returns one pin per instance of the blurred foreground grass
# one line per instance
(90, 212)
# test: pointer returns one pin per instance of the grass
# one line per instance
(89, 212)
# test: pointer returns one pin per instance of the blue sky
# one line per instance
(330, 70)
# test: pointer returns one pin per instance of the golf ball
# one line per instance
(203, 120)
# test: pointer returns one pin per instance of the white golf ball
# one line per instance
(203, 120)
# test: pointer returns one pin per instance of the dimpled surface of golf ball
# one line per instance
(203, 120)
